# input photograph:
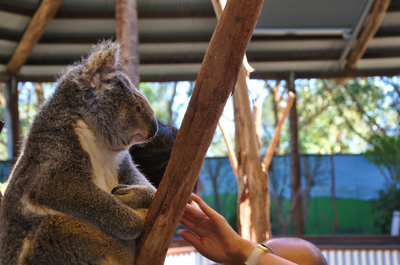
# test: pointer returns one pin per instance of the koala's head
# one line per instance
(112, 106)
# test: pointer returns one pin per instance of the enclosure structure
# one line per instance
(38, 39)
(173, 37)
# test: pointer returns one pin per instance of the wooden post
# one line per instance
(35, 30)
(253, 183)
(12, 117)
(375, 20)
(215, 82)
(295, 163)
(128, 35)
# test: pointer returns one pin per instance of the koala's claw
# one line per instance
(121, 189)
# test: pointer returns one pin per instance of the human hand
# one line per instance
(212, 236)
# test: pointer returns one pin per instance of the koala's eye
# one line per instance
(138, 108)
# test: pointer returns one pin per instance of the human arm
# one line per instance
(215, 239)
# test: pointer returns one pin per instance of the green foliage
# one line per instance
(156, 94)
(355, 217)
(228, 209)
(386, 153)
(383, 207)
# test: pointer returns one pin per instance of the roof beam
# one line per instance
(255, 75)
(109, 13)
(375, 19)
(36, 28)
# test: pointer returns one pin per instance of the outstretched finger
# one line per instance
(190, 237)
(187, 223)
(193, 212)
(205, 208)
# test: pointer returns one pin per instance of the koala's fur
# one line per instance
(75, 196)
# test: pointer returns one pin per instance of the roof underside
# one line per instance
(311, 38)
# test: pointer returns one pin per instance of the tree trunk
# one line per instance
(128, 35)
(295, 165)
(253, 216)
(214, 84)
(253, 183)
(39, 93)
(335, 211)
(12, 118)
(275, 102)
(257, 116)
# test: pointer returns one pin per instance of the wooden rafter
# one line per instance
(36, 28)
(371, 27)
(109, 13)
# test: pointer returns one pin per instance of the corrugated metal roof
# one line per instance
(311, 38)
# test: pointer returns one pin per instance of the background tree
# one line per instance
(385, 153)
(161, 97)
(220, 187)
(3, 138)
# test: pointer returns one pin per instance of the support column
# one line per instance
(12, 117)
(128, 35)
(297, 223)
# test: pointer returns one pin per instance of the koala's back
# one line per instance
(47, 152)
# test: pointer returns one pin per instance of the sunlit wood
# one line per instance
(215, 83)
(274, 141)
(32, 35)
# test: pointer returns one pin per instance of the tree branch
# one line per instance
(215, 82)
(231, 152)
(274, 141)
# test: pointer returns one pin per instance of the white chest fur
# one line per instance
(104, 162)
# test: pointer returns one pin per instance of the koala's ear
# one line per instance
(101, 64)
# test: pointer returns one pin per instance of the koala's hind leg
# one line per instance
(63, 240)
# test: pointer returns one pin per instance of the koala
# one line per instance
(74, 195)
(152, 157)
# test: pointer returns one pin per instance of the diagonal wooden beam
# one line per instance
(215, 82)
(371, 27)
(35, 30)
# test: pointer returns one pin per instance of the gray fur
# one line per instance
(58, 207)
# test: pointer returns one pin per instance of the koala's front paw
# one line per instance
(134, 196)
(142, 212)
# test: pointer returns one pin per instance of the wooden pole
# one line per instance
(128, 35)
(35, 30)
(295, 163)
(215, 82)
(375, 20)
(253, 183)
(12, 118)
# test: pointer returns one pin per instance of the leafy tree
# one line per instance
(387, 202)
(385, 153)
(161, 97)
